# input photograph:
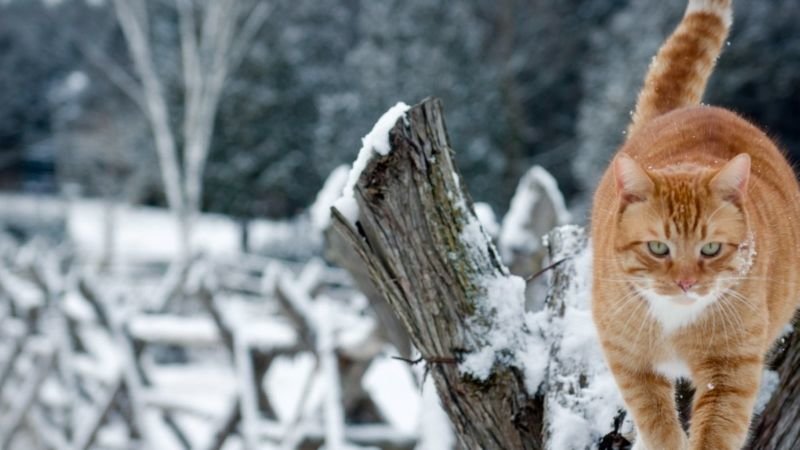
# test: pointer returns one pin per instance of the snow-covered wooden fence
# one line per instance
(85, 363)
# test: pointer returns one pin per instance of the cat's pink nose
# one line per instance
(686, 283)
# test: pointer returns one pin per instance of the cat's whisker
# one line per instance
(731, 294)
(712, 313)
(713, 328)
(613, 258)
(713, 323)
(763, 278)
(652, 337)
(626, 298)
(633, 313)
(729, 309)
(641, 327)
(736, 312)
(623, 280)
(748, 277)
(724, 317)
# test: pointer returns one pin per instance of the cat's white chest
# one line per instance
(673, 368)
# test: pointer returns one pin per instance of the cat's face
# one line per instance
(681, 234)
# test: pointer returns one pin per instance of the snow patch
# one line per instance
(22, 292)
(526, 222)
(504, 303)
(76, 308)
(174, 329)
(535, 358)
(770, 380)
(320, 210)
(472, 233)
(348, 207)
(436, 431)
(394, 393)
(511, 337)
(583, 409)
(145, 234)
(376, 141)
(486, 217)
(571, 432)
(746, 254)
(285, 381)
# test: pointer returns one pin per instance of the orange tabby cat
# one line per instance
(696, 236)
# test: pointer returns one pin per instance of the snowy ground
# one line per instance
(141, 234)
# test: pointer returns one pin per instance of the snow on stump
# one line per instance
(582, 401)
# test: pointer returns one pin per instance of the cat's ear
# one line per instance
(633, 183)
(731, 181)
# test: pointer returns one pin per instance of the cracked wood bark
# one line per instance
(778, 426)
(409, 235)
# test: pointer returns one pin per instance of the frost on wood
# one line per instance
(581, 399)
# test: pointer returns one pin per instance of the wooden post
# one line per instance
(413, 214)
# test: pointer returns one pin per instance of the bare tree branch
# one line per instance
(252, 25)
(208, 56)
(192, 77)
(115, 74)
(138, 41)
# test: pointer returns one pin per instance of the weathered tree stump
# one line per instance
(410, 232)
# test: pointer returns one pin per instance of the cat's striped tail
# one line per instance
(678, 74)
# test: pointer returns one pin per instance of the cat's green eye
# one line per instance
(658, 248)
(711, 249)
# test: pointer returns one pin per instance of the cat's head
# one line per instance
(681, 231)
